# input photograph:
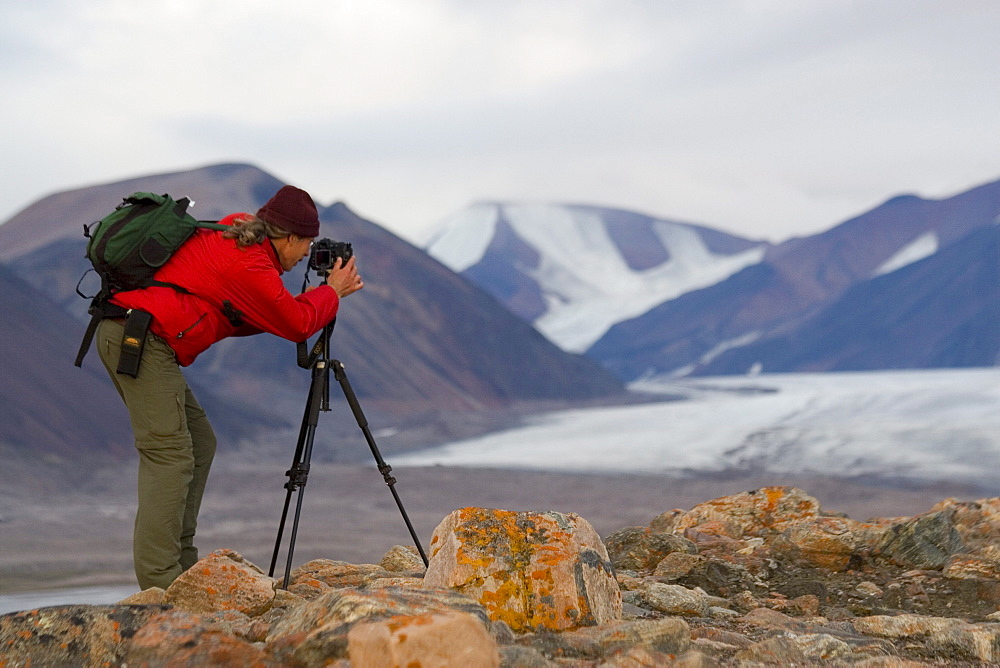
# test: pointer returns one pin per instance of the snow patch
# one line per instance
(688, 369)
(738, 342)
(923, 246)
(462, 239)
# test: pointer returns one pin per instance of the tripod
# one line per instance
(319, 400)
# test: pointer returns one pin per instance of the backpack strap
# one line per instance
(212, 225)
(234, 315)
(163, 284)
(133, 341)
(100, 309)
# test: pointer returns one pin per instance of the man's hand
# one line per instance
(344, 278)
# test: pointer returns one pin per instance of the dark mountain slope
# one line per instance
(940, 312)
(41, 401)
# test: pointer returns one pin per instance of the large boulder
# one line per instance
(534, 571)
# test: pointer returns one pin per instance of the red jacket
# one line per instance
(215, 270)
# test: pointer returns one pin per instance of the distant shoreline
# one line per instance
(29, 600)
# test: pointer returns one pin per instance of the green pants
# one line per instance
(176, 446)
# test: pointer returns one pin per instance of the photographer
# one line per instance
(218, 284)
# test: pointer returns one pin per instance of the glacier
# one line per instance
(919, 426)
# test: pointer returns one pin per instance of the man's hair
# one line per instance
(253, 230)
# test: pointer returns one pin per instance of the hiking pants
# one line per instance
(176, 446)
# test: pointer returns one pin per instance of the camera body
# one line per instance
(325, 253)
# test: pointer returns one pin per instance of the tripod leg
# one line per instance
(281, 531)
(291, 473)
(341, 375)
(298, 508)
(298, 474)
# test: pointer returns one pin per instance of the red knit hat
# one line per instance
(292, 208)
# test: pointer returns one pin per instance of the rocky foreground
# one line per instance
(762, 577)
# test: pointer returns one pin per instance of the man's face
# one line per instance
(292, 249)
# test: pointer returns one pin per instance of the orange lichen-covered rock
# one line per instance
(223, 580)
(534, 571)
(968, 567)
(178, 638)
(444, 639)
(834, 543)
(759, 512)
(336, 573)
(71, 635)
(316, 632)
(977, 522)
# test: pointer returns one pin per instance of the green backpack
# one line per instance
(129, 245)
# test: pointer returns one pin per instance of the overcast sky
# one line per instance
(770, 118)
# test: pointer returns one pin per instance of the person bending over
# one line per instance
(230, 286)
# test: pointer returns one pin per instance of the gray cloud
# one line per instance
(767, 117)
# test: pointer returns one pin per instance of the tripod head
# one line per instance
(321, 260)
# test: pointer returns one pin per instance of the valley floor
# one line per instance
(81, 536)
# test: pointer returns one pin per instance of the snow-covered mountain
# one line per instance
(900, 286)
(575, 271)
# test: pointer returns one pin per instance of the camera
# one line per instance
(326, 251)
